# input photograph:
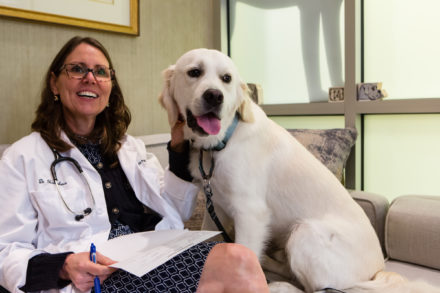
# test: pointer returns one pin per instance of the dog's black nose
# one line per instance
(213, 97)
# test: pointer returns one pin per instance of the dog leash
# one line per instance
(332, 290)
(208, 193)
(207, 177)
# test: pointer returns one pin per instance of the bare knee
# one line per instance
(232, 267)
(236, 254)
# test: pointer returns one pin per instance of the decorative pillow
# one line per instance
(331, 146)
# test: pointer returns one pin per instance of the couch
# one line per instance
(408, 228)
(409, 231)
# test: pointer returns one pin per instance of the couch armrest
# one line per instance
(412, 230)
(376, 208)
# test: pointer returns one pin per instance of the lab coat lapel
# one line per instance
(145, 183)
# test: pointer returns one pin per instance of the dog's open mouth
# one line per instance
(206, 124)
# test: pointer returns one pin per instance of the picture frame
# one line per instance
(120, 16)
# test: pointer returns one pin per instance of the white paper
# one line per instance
(139, 253)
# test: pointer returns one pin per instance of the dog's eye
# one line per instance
(226, 78)
(194, 72)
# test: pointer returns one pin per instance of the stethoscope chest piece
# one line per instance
(86, 212)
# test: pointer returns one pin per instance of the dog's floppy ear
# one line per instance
(166, 98)
(245, 108)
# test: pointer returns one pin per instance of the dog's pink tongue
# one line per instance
(209, 123)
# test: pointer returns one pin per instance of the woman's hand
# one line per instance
(177, 138)
(81, 271)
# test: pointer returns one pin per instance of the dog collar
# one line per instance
(222, 144)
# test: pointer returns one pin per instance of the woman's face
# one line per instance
(82, 99)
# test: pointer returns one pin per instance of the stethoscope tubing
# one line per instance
(58, 159)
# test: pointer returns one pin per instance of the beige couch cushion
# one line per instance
(414, 272)
(412, 230)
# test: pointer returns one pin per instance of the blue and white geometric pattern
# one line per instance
(91, 152)
(180, 274)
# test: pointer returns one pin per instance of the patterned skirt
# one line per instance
(180, 274)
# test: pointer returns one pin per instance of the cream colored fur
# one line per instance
(275, 191)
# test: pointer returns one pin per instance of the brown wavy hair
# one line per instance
(110, 125)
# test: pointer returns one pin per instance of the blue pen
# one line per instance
(93, 258)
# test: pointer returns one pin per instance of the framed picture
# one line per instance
(120, 16)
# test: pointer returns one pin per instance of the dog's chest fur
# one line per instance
(242, 169)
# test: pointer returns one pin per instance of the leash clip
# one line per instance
(207, 185)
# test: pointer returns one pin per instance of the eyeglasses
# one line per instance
(79, 71)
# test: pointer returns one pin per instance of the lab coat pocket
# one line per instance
(59, 208)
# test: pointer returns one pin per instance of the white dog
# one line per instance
(274, 190)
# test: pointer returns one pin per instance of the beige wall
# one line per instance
(168, 28)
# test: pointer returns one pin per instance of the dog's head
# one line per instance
(205, 88)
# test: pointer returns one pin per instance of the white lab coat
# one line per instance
(34, 219)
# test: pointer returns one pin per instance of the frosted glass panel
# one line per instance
(401, 154)
(402, 47)
(309, 122)
(293, 48)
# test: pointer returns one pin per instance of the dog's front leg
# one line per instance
(252, 226)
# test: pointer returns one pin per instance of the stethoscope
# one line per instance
(58, 159)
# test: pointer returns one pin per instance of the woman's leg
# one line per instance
(230, 268)
(206, 267)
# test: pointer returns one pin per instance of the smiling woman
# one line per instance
(82, 99)
(79, 178)
(83, 94)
